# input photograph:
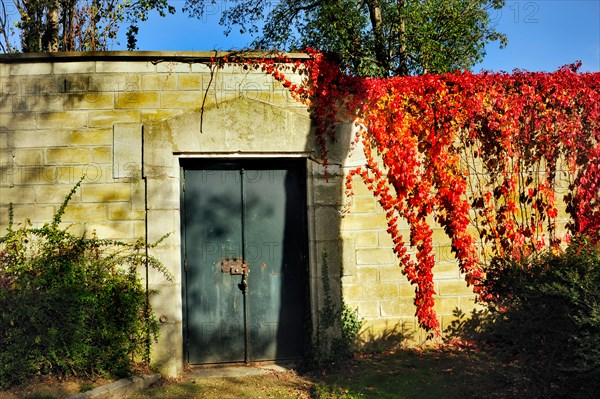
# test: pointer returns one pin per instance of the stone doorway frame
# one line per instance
(240, 128)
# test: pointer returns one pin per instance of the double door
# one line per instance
(245, 261)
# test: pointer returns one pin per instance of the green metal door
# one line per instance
(245, 261)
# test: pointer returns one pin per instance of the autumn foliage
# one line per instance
(488, 157)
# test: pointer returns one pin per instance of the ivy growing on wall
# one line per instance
(484, 156)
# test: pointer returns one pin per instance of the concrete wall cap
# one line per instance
(151, 56)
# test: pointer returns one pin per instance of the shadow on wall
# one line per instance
(468, 326)
(391, 337)
(325, 208)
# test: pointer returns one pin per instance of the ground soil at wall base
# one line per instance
(48, 387)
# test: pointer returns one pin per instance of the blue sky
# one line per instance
(543, 35)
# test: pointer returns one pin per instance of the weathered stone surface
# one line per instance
(367, 308)
(365, 239)
(123, 67)
(391, 273)
(449, 288)
(182, 99)
(328, 193)
(126, 125)
(114, 83)
(167, 354)
(27, 156)
(55, 194)
(35, 214)
(68, 155)
(365, 204)
(18, 194)
(115, 230)
(371, 291)
(123, 211)
(18, 121)
(127, 150)
(364, 221)
(375, 256)
(348, 256)
(88, 137)
(367, 274)
(398, 307)
(62, 120)
(103, 155)
(88, 212)
(106, 192)
(107, 118)
(173, 67)
(158, 82)
(395, 330)
(446, 271)
(36, 68)
(445, 306)
(93, 100)
(74, 67)
(241, 126)
(202, 68)
(192, 82)
(328, 222)
(137, 100)
(164, 193)
(154, 115)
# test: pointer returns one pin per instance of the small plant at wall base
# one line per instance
(71, 305)
(338, 327)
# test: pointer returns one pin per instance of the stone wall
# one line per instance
(374, 284)
(124, 121)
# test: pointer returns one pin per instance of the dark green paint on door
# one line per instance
(255, 211)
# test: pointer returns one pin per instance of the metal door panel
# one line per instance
(273, 227)
(234, 210)
(213, 232)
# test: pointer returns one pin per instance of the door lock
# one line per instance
(234, 266)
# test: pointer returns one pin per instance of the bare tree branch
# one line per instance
(5, 45)
(76, 25)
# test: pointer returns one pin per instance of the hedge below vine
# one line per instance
(71, 305)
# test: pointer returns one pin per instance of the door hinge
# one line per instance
(183, 184)
(185, 264)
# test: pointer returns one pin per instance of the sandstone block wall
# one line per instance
(122, 121)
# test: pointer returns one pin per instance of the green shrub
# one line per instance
(71, 305)
(546, 322)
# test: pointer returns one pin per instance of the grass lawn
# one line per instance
(443, 373)
(413, 374)
(435, 373)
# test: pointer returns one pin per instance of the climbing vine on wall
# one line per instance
(485, 156)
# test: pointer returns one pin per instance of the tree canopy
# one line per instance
(369, 37)
(74, 25)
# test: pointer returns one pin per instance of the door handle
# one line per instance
(243, 285)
